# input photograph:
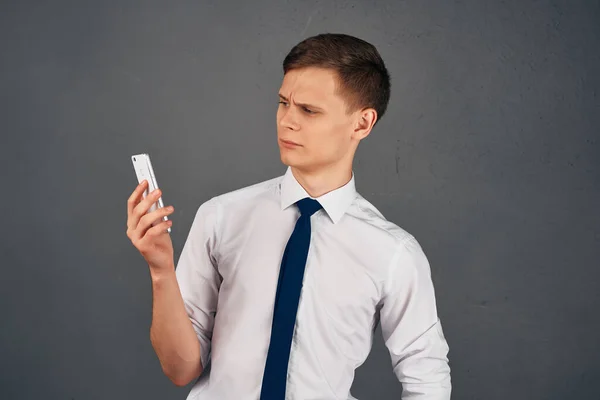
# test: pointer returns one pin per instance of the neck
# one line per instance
(319, 182)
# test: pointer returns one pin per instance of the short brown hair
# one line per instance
(363, 79)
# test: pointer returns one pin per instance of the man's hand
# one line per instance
(153, 242)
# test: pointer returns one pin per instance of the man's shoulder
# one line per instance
(240, 200)
(256, 192)
(365, 212)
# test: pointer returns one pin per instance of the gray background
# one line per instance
(488, 155)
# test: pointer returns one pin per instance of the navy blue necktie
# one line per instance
(287, 297)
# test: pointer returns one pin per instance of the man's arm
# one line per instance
(171, 332)
(185, 301)
(411, 328)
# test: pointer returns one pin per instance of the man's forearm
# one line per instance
(171, 333)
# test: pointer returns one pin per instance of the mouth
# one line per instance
(289, 142)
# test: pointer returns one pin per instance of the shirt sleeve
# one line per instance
(411, 328)
(198, 275)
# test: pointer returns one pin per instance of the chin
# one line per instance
(289, 161)
(285, 160)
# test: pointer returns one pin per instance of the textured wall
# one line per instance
(488, 155)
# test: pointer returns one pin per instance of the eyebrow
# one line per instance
(301, 104)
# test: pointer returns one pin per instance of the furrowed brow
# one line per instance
(311, 106)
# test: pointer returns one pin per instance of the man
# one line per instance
(281, 284)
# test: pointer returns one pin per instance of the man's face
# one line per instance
(312, 115)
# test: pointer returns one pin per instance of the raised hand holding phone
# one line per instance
(147, 224)
(144, 171)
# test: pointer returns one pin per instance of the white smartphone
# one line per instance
(143, 170)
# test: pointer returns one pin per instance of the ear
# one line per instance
(365, 121)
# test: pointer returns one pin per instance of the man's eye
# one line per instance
(306, 110)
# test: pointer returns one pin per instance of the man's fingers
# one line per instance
(134, 199)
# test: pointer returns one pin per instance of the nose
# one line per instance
(288, 118)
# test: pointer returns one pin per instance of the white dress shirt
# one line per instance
(361, 269)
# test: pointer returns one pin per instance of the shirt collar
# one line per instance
(335, 202)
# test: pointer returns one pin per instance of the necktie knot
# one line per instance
(308, 206)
